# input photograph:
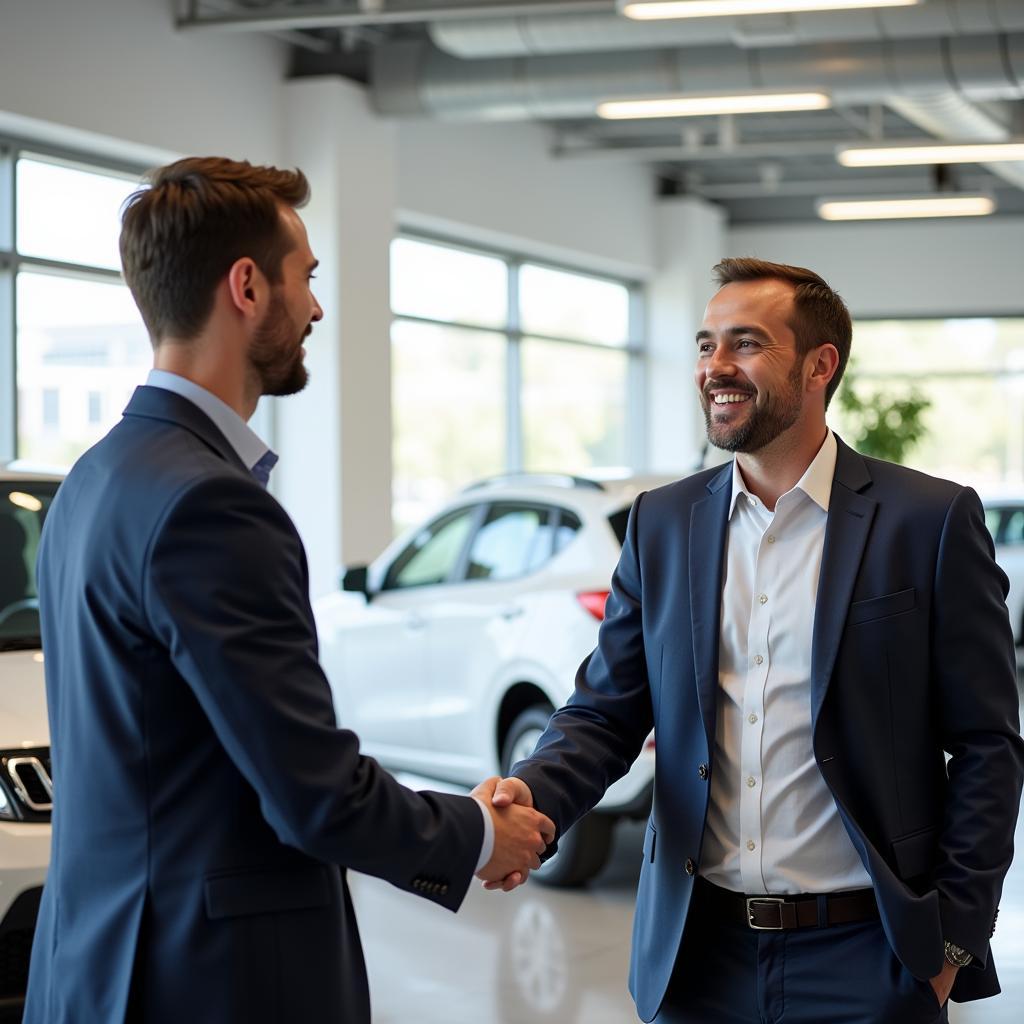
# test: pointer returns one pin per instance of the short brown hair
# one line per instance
(821, 316)
(180, 236)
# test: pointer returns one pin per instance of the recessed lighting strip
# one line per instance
(902, 207)
(658, 10)
(903, 155)
(703, 106)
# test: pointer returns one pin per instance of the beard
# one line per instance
(763, 424)
(275, 356)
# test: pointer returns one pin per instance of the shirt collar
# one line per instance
(816, 482)
(246, 442)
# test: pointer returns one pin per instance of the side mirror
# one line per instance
(353, 578)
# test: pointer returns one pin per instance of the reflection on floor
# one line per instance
(541, 956)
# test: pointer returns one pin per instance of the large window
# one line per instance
(972, 373)
(72, 343)
(500, 363)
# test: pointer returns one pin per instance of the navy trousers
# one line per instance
(727, 973)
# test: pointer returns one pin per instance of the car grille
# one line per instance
(25, 777)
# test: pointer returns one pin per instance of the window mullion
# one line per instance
(636, 395)
(513, 385)
(8, 312)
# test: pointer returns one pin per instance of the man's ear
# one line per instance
(823, 362)
(245, 287)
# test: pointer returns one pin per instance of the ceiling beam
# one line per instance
(284, 17)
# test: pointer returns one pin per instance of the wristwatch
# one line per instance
(956, 956)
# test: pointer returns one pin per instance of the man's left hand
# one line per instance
(943, 982)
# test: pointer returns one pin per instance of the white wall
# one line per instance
(118, 68)
(497, 183)
(930, 268)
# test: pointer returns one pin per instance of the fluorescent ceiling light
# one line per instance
(899, 207)
(697, 106)
(655, 10)
(897, 155)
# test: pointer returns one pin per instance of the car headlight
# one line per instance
(6, 809)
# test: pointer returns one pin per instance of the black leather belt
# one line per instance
(781, 913)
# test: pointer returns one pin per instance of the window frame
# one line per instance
(13, 148)
(635, 349)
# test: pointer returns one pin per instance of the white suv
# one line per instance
(449, 653)
(25, 788)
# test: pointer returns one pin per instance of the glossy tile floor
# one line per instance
(540, 956)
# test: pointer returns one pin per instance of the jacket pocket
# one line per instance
(266, 892)
(880, 607)
(915, 853)
(650, 841)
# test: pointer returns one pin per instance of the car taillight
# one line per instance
(594, 601)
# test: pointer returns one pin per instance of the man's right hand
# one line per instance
(520, 835)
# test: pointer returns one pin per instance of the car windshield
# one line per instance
(23, 507)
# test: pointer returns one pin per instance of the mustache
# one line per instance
(731, 385)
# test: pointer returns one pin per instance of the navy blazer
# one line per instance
(912, 656)
(206, 802)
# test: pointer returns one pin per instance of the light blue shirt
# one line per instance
(246, 442)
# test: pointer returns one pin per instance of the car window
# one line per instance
(992, 519)
(568, 526)
(433, 553)
(618, 522)
(513, 540)
(1013, 527)
(23, 507)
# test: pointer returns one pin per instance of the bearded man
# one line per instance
(810, 633)
(206, 802)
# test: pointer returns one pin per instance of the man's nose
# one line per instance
(720, 364)
(318, 313)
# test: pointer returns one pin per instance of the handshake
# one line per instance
(521, 833)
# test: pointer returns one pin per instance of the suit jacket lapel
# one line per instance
(850, 515)
(708, 521)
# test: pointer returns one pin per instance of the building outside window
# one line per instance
(501, 363)
(80, 347)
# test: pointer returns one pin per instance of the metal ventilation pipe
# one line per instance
(539, 34)
(948, 115)
(411, 77)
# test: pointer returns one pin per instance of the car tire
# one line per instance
(583, 850)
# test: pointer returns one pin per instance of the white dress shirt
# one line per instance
(251, 450)
(772, 824)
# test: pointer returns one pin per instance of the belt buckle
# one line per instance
(771, 901)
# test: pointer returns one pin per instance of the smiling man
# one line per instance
(809, 632)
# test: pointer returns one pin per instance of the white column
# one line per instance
(334, 438)
(691, 239)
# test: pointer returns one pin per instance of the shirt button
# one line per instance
(759, 660)
(771, 538)
(690, 867)
(751, 845)
(763, 599)
(752, 719)
(751, 781)
(751, 499)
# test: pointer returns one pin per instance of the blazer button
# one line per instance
(690, 866)
(702, 771)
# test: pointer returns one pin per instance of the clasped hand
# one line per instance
(521, 833)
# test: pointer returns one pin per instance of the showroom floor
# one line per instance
(540, 956)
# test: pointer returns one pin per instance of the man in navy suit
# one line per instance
(207, 805)
(810, 633)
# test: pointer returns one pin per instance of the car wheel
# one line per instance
(584, 849)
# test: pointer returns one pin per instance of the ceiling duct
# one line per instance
(539, 34)
(414, 78)
(947, 115)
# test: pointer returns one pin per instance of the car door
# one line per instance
(477, 625)
(387, 681)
